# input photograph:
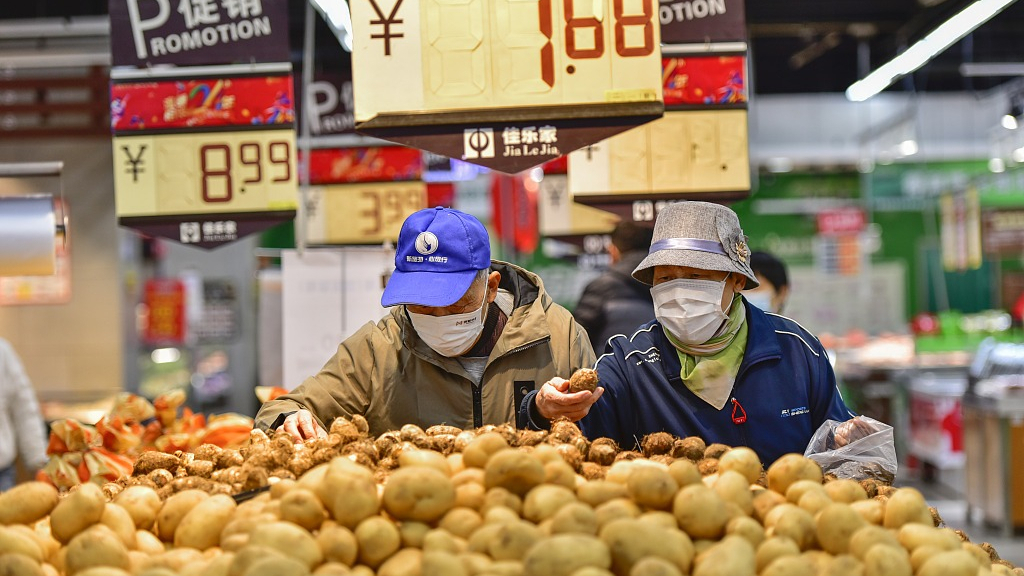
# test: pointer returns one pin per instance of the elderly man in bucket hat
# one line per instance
(710, 364)
(466, 340)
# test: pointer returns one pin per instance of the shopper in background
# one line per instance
(466, 340)
(22, 430)
(771, 274)
(710, 364)
(614, 302)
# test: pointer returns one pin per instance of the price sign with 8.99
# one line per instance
(203, 173)
(426, 64)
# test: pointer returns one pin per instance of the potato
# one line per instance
(475, 563)
(742, 460)
(652, 487)
(867, 537)
(500, 515)
(102, 571)
(303, 508)
(660, 518)
(922, 554)
(773, 548)
(598, 492)
(563, 554)
(350, 493)
(147, 543)
(733, 487)
(843, 564)
(748, 528)
(422, 494)
(544, 501)
(413, 533)
(470, 495)
(797, 490)
(332, 569)
(558, 472)
(289, 539)
(142, 503)
(96, 546)
(882, 560)
(15, 542)
(835, 525)
(12, 564)
(513, 540)
(281, 487)
(378, 538)
(701, 513)
(76, 512)
(515, 471)
(733, 556)
(872, 511)
(249, 555)
(442, 540)
(480, 450)
(791, 468)
(906, 505)
(593, 571)
(790, 566)
(276, 566)
(27, 503)
(791, 521)
(499, 497)
(233, 543)
(765, 501)
(914, 535)
(403, 563)
(845, 490)
(615, 510)
(425, 458)
(652, 566)
(117, 519)
(578, 518)
(202, 525)
(177, 559)
(174, 509)
(461, 522)
(951, 563)
(631, 540)
(47, 545)
(442, 564)
(217, 566)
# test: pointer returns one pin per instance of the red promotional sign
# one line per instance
(841, 221)
(196, 32)
(376, 164)
(514, 200)
(704, 80)
(165, 300)
(702, 21)
(201, 103)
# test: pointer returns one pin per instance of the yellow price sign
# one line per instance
(205, 173)
(468, 70)
(365, 213)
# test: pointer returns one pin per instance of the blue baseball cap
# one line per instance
(440, 251)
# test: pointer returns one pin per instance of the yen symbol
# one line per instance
(386, 22)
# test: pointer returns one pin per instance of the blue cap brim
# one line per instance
(426, 288)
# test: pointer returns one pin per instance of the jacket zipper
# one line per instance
(478, 395)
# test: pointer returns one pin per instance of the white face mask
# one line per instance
(451, 335)
(691, 310)
(762, 300)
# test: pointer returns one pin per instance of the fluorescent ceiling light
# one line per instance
(947, 34)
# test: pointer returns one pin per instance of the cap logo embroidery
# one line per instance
(426, 243)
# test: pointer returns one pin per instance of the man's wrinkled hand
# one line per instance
(852, 430)
(302, 426)
(554, 401)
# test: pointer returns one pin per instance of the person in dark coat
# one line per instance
(614, 302)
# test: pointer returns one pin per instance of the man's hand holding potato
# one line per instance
(554, 400)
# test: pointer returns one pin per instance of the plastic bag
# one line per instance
(862, 449)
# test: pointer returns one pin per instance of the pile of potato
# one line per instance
(494, 502)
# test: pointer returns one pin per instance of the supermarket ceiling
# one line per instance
(796, 45)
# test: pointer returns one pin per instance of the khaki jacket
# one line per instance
(389, 375)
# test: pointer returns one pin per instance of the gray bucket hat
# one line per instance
(699, 235)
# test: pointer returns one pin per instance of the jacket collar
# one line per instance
(526, 325)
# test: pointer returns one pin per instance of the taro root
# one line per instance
(442, 429)
(708, 466)
(361, 424)
(691, 448)
(662, 459)
(346, 429)
(207, 452)
(572, 456)
(583, 379)
(602, 451)
(563, 431)
(229, 458)
(442, 443)
(410, 432)
(111, 489)
(283, 474)
(255, 478)
(364, 448)
(201, 468)
(593, 471)
(990, 550)
(657, 443)
(150, 461)
(870, 486)
(716, 451)
(936, 519)
(530, 437)
(387, 442)
(628, 455)
(300, 463)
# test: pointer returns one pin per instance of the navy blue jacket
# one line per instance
(785, 386)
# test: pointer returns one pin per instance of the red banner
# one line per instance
(514, 200)
(841, 221)
(352, 165)
(704, 80)
(165, 301)
(195, 103)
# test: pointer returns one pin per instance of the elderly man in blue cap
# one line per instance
(467, 339)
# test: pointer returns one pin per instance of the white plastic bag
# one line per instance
(870, 454)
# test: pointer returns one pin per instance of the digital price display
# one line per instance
(460, 77)
(364, 213)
